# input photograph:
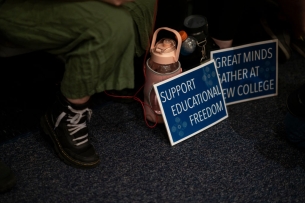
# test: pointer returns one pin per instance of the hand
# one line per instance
(116, 2)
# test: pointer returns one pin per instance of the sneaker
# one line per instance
(276, 31)
(65, 123)
(7, 178)
(298, 44)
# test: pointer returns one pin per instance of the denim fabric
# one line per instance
(295, 128)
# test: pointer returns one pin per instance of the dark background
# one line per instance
(245, 158)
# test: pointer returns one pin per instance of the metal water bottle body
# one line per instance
(188, 45)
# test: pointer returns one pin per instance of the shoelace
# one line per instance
(74, 125)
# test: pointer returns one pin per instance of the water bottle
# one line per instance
(196, 26)
(162, 60)
(162, 65)
(188, 45)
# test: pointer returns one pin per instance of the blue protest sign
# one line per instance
(248, 72)
(191, 102)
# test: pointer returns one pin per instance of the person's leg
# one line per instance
(7, 178)
(95, 39)
(97, 42)
(295, 14)
(275, 25)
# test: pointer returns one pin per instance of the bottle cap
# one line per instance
(183, 35)
(165, 45)
(165, 51)
(195, 23)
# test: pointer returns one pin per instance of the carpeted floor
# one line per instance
(245, 158)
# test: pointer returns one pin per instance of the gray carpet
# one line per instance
(245, 158)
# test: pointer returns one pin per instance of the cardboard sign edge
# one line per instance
(162, 110)
(248, 45)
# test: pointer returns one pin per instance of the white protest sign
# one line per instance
(248, 72)
(191, 102)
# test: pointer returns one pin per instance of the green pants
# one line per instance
(97, 41)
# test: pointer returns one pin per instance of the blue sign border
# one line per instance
(250, 98)
(202, 126)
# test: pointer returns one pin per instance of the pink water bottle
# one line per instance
(162, 65)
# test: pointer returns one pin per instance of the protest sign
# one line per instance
(248, 72)
(191, 102)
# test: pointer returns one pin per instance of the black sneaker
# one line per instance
(65, 123)
(7, 178)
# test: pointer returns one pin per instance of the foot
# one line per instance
(65, 123)
(7, 178)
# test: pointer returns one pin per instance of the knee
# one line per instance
(117, 29)
(123, 24)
